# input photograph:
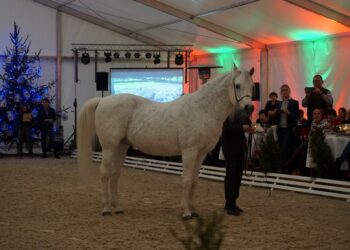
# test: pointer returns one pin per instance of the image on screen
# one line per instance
(160, 85)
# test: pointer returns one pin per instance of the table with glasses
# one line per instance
(337, 144)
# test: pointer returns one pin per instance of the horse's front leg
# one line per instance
(188, 161)
(106, 170)
(197, 166)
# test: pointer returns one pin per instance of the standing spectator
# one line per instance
(234, 148)
(271, 106)
(317, 97)
(25, 130)
(47, 116)
(287, 115)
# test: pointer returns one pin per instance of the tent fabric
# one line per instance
(296, 64)
(326, 49)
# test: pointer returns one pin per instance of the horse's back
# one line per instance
(113, 115)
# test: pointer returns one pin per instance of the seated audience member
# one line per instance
(303, 126)
(263, 119)
(271, 106)
(341, 115)
(344, 156)
(348, 116)
(318, 122)
(332, 118)
(301, 120)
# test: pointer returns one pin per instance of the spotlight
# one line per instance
(85, 58)
(108, 57)
(179, 59)
(148, 55)
(127, 55)
(156, 58)
(137, 55)
(116, 55)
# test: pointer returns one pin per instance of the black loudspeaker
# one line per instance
(102, 81)
(256, 92)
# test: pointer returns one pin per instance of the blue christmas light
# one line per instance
(18, 84)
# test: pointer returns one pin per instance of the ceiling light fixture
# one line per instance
(179, 59)
(108, 56)
(156, 57)
(85, 58)
(127, 55)
(116, 55)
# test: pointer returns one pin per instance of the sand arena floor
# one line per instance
(41, 207)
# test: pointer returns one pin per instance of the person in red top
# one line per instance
(332, 118)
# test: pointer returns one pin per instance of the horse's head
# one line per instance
(242, 87)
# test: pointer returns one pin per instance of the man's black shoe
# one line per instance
(57, 156)
(43, 156)
(235, 207)
(239, 209)
(233, 211)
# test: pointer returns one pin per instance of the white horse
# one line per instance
(189, 126)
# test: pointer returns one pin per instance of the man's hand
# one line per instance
(317, 90)
(285, 111)
(271, 112)
(247, 129)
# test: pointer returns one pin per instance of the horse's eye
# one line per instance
(238, 86)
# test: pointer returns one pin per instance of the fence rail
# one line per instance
(308, 185)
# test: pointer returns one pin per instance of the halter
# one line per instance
(239, 99)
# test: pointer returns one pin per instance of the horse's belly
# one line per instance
(155, 145)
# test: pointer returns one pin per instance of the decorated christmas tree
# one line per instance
(19, 84)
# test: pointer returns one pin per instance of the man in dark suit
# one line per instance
(317, 97)
(47, 117)
(287, 115)
(234, 148)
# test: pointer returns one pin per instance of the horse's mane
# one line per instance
(214, 85)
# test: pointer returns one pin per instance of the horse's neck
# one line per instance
(214, 100)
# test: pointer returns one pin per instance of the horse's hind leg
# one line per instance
(106, 170)
(120, 154)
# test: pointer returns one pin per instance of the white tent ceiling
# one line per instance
(209, 25)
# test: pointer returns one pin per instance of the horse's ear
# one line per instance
(251, 71)
(234, 67)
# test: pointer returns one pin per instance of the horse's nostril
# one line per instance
(249, 108)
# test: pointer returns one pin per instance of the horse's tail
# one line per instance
(85, 130)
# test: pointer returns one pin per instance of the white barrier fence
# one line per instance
(318, 186)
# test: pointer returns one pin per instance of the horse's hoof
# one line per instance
(107, 213)
(194, 215)
(187, 217)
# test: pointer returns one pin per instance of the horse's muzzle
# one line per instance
(249, 108)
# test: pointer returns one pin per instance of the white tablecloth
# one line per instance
(337, 145)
